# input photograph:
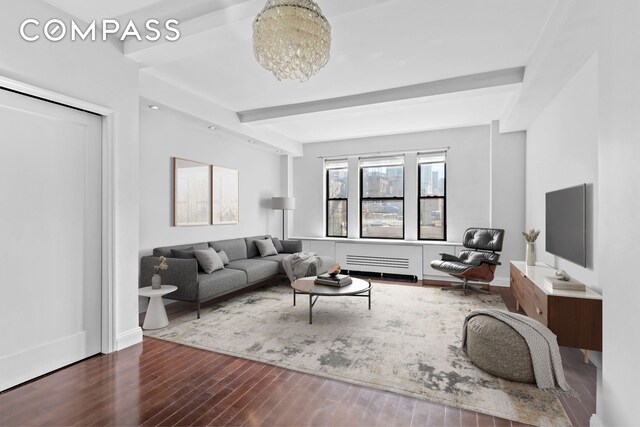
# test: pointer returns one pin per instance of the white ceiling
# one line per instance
(377, 45)
(90, 10)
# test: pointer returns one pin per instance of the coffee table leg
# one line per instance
(369, 299)
(310, 309)
(294, 297)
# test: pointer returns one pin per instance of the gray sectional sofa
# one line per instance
(246, 268)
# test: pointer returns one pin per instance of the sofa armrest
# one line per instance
(291, 246)
(449, 257)
(182, 273)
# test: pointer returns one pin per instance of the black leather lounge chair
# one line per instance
(478, 264)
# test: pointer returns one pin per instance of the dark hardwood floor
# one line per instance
(162, 383)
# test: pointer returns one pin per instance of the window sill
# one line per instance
(381, 241)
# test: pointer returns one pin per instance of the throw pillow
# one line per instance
(291, 246)
(183, 253)
(223, 256)
(266, 248)
(277, 244)
(209, 260)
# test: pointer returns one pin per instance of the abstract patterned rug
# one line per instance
(409, 343)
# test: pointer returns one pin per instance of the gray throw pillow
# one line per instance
(266, 248)
(223, 256)
(292, 246)
(277, 244)
(209, 260)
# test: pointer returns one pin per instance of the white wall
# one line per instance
(469, 183)
(99, 74)
(507, 193)
(593, 126)
(619, 201)
(164, 135)
(562, 151)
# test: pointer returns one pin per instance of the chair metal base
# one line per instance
(465, 286)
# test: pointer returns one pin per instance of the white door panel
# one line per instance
(50, 237)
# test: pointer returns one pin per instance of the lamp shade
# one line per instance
(283, 203)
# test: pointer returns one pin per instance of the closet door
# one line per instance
(50, 237)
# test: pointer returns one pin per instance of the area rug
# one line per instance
(408, 343)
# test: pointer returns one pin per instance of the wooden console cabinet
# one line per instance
(575, 317)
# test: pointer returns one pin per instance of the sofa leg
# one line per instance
(198, 307)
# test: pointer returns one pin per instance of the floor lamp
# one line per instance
(283, 204)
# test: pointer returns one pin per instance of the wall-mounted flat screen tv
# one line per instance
(566, 224)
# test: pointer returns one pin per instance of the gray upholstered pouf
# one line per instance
(497, 348)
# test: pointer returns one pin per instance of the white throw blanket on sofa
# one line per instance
(542, 343)
(299, 264)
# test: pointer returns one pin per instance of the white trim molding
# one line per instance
(108, 327)
(129, 338)
(596, 421)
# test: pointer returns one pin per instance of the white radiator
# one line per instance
(380, 258)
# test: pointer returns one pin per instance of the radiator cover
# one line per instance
(380, 258)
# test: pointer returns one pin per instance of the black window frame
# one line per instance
(393, 199)
(330, 199)
(421, 197)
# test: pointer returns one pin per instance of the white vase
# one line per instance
(156, 282)
(531, 253)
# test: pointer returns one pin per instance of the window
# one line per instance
(337, 192)
(432, 201)
(382, 197)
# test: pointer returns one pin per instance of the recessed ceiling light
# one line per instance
(279, 151)
(154, 107)
(252, 141)
(212, 128)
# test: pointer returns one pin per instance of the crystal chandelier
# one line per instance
(292, 39)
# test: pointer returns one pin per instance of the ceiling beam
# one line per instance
(165, 94)
(456, 84)
(569, 39)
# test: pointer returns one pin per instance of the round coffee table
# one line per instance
(306, 286)
(156, 316)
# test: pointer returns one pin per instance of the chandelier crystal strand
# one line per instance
(292, 39)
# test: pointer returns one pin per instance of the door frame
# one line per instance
(108, 314)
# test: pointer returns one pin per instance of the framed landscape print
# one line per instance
(225, 196)
(191, 193)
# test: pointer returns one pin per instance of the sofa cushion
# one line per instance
(266, 248)
(183, 253)
(221, 282)
(291, 246)
(256, 269)
(277, 259)
(223, 256)
(277, 244)
(252, 249)
(166, 250)
(209, 260)
(234, 248)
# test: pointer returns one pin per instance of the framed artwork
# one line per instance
(191, 193)
(225, 196)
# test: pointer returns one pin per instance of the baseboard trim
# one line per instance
(596, 421)
(129, 338)
(503, 282)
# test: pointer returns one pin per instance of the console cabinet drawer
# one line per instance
(577, 322)
(540, 305)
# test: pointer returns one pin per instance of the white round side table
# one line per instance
(156, 316)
